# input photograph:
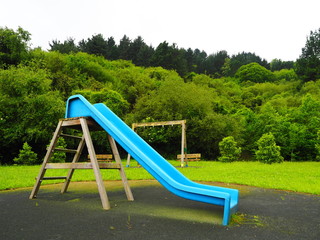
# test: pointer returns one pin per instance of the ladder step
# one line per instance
(66, 150)
(82, 165)
(70, 136)
(53, 178)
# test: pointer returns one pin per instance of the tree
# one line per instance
(252, 129)
(132, 85)
(286, 74)
(317, 146)
(268, 151)
(112, 49)
(278, 64)
(307, 116)
(175, 100)
(124, 48)
(144, 56)
(205, 134)
(215, 62)
(140, 53)
(68, 46)
(189, 60)
(199, 58)
(29, 111)
(244, 58)
(70, 72)
(226, 68)
(110, 98)
(308, 64)
(294, 142)
(229, 150)
(134, 48)
(170, 57)
(14, 46)
(26, 156)
(95, 45)
(254, 72)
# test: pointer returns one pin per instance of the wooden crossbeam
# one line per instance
(153, 124)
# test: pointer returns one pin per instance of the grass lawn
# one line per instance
(292, 176)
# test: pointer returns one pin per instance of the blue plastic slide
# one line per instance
(151, 160)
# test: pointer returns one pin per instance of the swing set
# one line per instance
(183, 158)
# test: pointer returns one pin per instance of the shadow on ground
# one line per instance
(155, 214)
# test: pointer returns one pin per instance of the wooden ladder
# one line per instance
(85, 124)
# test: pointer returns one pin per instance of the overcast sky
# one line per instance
(269, 28)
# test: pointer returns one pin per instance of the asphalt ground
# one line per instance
(155, 214)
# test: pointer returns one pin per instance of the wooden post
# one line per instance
(183, 144)
(46, 159)
(129, 156)
(95, 165)
(122, 173)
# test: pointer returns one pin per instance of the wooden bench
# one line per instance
(190, 157)
(103, 157)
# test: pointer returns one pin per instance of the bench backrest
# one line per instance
(190, 156)
(103, 157)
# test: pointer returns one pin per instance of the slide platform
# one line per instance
(151, 160)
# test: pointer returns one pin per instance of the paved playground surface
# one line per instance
(155, 214)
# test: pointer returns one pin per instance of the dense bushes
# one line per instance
(29, 109)
(214, 108)
(255, 102)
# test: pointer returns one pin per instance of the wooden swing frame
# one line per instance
(183, 159)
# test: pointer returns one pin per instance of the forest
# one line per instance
(242, 95)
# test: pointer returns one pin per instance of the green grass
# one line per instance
(292, 176)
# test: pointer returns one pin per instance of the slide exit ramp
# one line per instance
(151, 160)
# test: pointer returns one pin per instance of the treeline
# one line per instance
(34, 85)
(170, 57)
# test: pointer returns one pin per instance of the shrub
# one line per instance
(26, 155)
(57, 156)
(229, 150)
(268, 151)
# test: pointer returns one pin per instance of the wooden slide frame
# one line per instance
(85, 124)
